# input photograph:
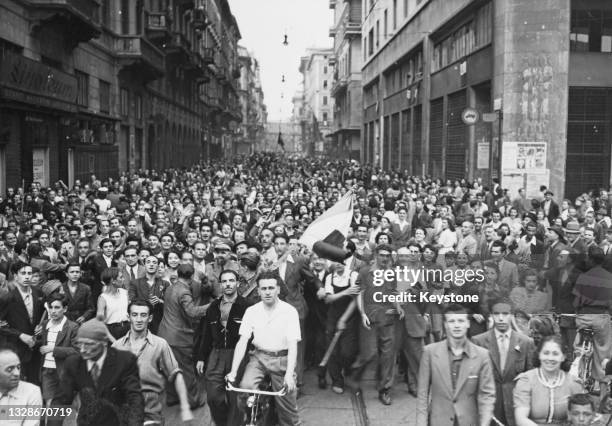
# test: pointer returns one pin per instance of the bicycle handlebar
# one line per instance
(281, 392)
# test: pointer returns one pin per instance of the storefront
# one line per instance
(36, 104)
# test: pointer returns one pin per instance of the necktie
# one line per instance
(95, 373)
(27, 300)
(132, 274)
(503, 351)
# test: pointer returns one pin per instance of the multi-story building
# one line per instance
(318, 103)
(103, 86)
(346, 87)
(251, 104)
(514, 89)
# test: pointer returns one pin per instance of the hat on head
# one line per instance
(103, 189)
(602, 211)
(93, 329)
(572, 228)
(50, 286)
(89, 223)
(549, 192)
(557, 230)
(222, 244)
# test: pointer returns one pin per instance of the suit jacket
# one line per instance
(297, 275)
(400, 237)
(518, 360)
(140, 290)
(116, 400)
(473, 399)
(81, 303)
(179, 312)
(553, 211)
(508, 275)
(14, 312)
(140, 272)
(65, 344)
(97, 265)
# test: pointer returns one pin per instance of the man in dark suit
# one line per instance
(106, 380)
(152, 289)
(81, 306)
(511, 354)
(132, 269)
(22, 308)
(99, 263)
(296, 274)
(456, 382)
(550, 207)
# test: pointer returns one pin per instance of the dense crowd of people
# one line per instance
(157, 288)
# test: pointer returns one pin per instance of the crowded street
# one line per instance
(305, 212)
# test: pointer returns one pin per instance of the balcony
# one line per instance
(140, 57)
(158, 26)
(208, 55)
(333, 31)
(178, 49)
(352, 28)
(338, 86)
(195, 67)
(78, 19)
(199, 19)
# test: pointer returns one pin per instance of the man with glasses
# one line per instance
(106, 380)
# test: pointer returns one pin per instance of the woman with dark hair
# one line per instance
(541, 394)
(113, 303)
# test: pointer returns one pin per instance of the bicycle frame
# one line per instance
(253, 401)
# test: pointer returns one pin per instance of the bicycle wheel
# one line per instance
(585, 373)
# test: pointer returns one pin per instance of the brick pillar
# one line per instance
(531, 48)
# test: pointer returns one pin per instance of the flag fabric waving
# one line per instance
(280, 141)
(337, 218)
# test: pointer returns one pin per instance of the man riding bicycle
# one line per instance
(274, 326)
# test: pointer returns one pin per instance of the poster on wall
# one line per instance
(523, 157)
(513, 182)
(39, 166)
(483, 153)
(533, 181)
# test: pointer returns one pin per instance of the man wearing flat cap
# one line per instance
(221, 252)
(106, 380)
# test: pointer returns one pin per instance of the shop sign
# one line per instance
(31, 82)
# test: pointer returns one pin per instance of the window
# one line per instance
(124, 13)
(371, 42)
(82, 88)
(465, 40)
(325, 119)
(377, 33)
(324, 70)
(394, 14)
(591, 29)
(385, 26)
(104, 97)
(324, 100)
(138, 107)
(105, 12)
(405, 8)
(125, 102)
(325, 84)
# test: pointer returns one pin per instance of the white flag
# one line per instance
(337, 218)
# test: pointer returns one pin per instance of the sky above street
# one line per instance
(263, 24)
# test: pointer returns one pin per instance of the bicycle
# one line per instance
(582, 366)
(260, 410)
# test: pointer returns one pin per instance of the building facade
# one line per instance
(290, 132)
(105, 86)
(318, 104)
(254, 112)
(482, 89)
(346, 83)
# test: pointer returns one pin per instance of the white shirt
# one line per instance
(282, 267)
(24, 395)
(108, 260)
(99, 362)
(271, 330)
(52, 332)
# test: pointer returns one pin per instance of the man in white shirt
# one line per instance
(14, 392)
(275, 328)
